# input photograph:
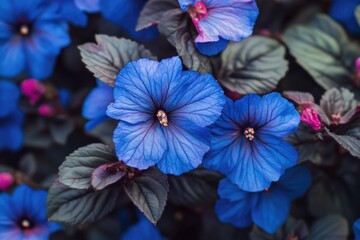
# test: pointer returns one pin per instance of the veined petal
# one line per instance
(9, 212)
(234, 205)
(295, 181)
(187, 144)
(239, 20)
(141, 145)
(271, 210)
(211, 48)
(88, 5)
(12, 59)
(197, 98)
(276, 116)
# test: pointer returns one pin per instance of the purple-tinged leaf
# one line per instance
(299, 97)
(102, 177)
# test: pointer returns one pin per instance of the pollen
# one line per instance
(24, 30)
(249, 133)
(162, 117)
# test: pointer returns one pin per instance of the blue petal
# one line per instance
(7, 15)
(231, 20)
(344, 12)
(212, 48)
(91, 6)
(187, 145)
(39, 66)
(31, 203)
(11, 137)
(97, 101)
(93, 123)
(12, 59)
(6, 30)
(13, 233)
(54, 227)
(295, 182)
(71, 13)
(9, 96)
(141, 145)
(195, 98)
(143, 230)
(9, 212)
(141, 89)
(271, 210)
(276, 116)
(125, 14)
(184, 4)
(234, 204)
(356, 229)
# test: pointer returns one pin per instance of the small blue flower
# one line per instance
(23, 215)
(356, 229)
(268, 209)
(69, 11)
(11, 117)
(164, 113)
(90, 6)
(125, 13)
(220, 21)
(247, 142)
(31, 36)
(344, 12)
(96, 103)
(143, 230)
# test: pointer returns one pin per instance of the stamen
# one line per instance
(249, 133)
(198, 11)
(162, 117)
(25, 224)
(24, 30)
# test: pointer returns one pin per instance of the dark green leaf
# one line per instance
(153, 11)
(330, 228)
(350, 143)
(78, 206)
(193, 188)
(254, 65)
(106, 58)
(28, 164)
(60, 130)
(322, 48)
(148, 192)
(76, 171)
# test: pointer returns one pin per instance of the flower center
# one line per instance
(162, 117)
(25, 224)
(198, 11)
(24, 29)
(335, 118)
(249, 133)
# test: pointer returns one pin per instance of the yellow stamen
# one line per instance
(162, 117)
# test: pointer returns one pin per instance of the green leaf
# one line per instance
(254, 65)
(153, 11)
(323, 49)
(148, 192)
(76, 171)
(60, 130)
(332, 227)
(194, 188)
(106, 58)
(350, 143)
(78, 206)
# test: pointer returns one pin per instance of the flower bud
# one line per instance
(6, 181)
(46, 110)
(33, 90)
(311, 117)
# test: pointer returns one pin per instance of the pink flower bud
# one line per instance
(6, 181)
(33, 90)
(357, 64)
(311, 117)
(46, 110)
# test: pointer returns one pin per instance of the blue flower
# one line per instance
(143, 230)
(356, 229)
(125, 13)
(91, 6)
(164, 115)
(220, 21)
(70, 12)
(96, 103)
(11, 117)
(344, 12)
(31, 36)
(23, 215)
(247, 142)
(268, 209)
